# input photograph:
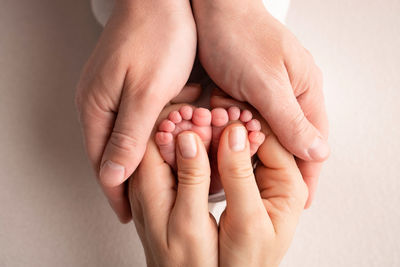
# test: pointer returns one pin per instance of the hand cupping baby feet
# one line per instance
(209, 125)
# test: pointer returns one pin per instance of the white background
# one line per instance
(52, 212)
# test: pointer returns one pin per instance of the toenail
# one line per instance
(237, 138)
(187, 145)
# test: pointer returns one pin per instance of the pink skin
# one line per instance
(209, 126)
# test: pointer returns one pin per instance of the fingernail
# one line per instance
(319, 149)
(111, 173)
(237, 138)
(187, 145)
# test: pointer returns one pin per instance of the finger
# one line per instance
(152, 193)
(97, 124)
(117, 197)
(236, 170)
(313, 106)
(281, 185)
(277, 103)
(310, 172)
(193, 178)
(127, 142)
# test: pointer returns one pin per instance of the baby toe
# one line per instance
(166, 126)
(201, 117)
(234, 113)
(175, 117)
(219, 117)
(186, 112)
(253, 125)
(163, 138)
(246, 115)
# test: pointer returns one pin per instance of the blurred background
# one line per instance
(52, 212)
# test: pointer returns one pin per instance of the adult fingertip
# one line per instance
(308, 204)
(233, 150)
(312, 184)
(111, 174)
(124, 219)
(187, 145)
(237, 175)
(319, 149)
(193, 169)
(310, 199)
(122, 209)
(192, 159)
(237, 138)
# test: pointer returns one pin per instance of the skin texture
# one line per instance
(254, 58)
(127, 81)
(144, 58)
(173, 221)
(271, 200)
(208, 125)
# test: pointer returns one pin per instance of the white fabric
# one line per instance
(102, 9)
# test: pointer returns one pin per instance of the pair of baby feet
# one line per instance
(209, 125)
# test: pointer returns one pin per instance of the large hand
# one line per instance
(263, 210)
(172, 219)
(254, 58)
(141, 61)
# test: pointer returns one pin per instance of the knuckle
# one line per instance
(290, 205)
(293, 199)
(123, 142)
(299, 124)
(240, 170)
(191, 176)
(282, 207)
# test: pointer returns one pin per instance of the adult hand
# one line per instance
(254, 58)
(262, 211)
(172, 219)
(142, 60)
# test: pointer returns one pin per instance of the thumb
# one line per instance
(283, 113)
(193, 177)
(237, 177)
(127, 142)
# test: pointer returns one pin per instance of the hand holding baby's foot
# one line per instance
(209, 126)
(187, 118)
(263, 206)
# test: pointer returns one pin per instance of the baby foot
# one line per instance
(220, 118)
(187, 118)
(209, 126)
